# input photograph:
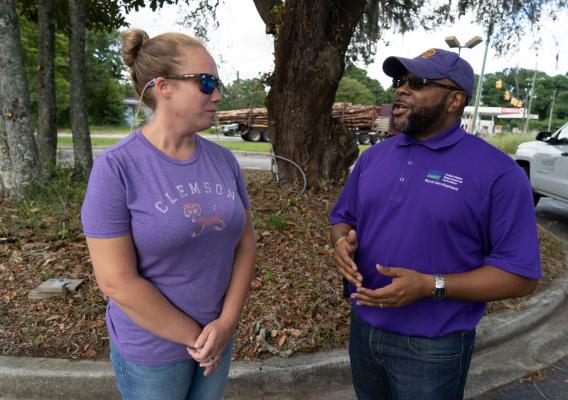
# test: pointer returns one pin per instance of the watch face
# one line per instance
(439, 293)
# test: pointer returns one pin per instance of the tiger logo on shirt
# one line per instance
(193, 211)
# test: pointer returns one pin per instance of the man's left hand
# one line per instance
(406, 287)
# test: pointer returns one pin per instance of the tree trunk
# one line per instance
(82, 150)
(46, 119)
(310, 49)
(5, 167)
(15, 105)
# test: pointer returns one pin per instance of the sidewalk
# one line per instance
(509, 345)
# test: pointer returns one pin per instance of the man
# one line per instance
(431, 224)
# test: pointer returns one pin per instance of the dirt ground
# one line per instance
(295, 303)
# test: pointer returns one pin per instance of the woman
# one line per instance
(169, 231)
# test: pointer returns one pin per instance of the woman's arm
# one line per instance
(114, 262)
(217, 334)
(243, 266)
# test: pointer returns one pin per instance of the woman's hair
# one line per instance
(149, 58)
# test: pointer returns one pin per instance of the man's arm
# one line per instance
(486, 283)
(344, 239)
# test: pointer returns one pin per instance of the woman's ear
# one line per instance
(162, 88)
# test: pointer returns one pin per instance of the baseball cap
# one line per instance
(434, 64)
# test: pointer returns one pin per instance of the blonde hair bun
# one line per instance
(132, 41)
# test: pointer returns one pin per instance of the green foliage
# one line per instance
(358, 88)
(102, 15)
(508, 143)
(245, 93)
(105, 85)
(518, 82)
(352, 91)
(28, 30)
(277, 221)
(105, 89)
(49, 206)
(561, 106)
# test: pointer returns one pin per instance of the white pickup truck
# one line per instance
(545, 161)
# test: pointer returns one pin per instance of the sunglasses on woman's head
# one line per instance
(415, 83)
(207, 82)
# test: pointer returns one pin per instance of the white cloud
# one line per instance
(240, 43)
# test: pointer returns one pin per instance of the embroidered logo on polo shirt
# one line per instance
(435, 174)
(443, 179)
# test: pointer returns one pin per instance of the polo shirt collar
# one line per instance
(446, 138)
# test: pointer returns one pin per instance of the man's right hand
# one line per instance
(343, 257)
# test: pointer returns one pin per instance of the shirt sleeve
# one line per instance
(105, 213)
(345, 209)
(513, 236)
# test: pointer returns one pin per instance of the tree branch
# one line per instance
(265, 10)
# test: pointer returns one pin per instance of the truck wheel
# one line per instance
(245, 136)
(266, 136)
(536, 196)
(364, 138)
(255, 135)
(375, 139)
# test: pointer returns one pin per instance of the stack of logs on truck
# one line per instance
(369, 124)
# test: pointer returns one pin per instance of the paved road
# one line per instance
(553, 215)
(551, 383)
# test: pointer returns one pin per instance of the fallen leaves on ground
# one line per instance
(295, 302)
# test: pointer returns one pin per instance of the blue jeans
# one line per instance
(180, 381)
(386, 365)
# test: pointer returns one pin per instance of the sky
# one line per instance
(240, 43)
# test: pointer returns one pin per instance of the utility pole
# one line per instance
(238, 92)
(531, 95)
(552, 108)
(480, 84)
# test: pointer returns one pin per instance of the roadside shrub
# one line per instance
(508, 142)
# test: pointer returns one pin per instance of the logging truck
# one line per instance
(369, 124)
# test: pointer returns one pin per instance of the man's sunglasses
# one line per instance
(207, 82)
(416, 83)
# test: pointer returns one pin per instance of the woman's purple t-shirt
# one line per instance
(185, 218)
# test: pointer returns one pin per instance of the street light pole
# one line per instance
(479, 87)
(453, 42)
(531, 95)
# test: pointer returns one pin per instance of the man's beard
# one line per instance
(422, 118)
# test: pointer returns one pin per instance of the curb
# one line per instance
(278, 378)
(500, 327)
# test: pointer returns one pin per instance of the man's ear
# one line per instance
(457, 101)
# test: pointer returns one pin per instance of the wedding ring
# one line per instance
(209, 359)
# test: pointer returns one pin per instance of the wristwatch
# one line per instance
(439, 291)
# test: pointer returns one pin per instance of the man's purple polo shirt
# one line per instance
(449, 204)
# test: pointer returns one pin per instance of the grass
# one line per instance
(255, 147)
(508, 142)
(67, 141)
(102, 129)
(258, 147)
